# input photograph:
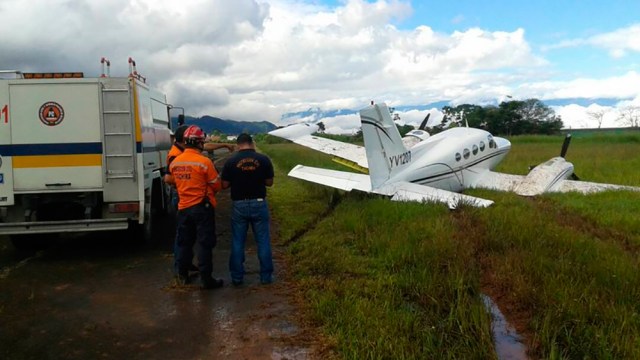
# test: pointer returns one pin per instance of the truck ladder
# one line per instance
(119, 134)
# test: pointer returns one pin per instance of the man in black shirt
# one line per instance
(248, 173)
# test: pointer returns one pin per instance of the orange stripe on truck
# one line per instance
(41, 161)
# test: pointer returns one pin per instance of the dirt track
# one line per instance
(99, 297)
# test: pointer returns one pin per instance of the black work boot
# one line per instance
(182, 279)
(211, 283)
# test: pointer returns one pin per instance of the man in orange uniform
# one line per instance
(178, 144)
(176, 149)
(197, 182)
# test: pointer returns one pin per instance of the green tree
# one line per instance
(404, 129)
(508, 118)
(321, 127)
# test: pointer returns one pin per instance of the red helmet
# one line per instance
(193, 136)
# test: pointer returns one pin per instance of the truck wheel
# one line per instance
(148, 226)
(146, 233)
(141, 234)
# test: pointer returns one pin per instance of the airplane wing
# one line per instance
(301, 134)
(399, 191)
(498, 181)
(508, 182)
(586, 187)
(350, 152)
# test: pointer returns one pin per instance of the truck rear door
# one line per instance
(55, 135)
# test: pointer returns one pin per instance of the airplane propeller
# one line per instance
(563, 152)
(423, 125)
(565, 145)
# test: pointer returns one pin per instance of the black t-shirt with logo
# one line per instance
(246, 171)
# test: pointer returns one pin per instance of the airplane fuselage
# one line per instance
(451, 160)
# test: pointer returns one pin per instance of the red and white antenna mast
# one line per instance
(104, 61)
(133, 72)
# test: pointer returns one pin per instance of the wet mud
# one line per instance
(98, 296)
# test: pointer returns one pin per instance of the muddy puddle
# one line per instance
(507, 342)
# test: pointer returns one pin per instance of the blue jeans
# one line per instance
(252, 212)
(197, 225)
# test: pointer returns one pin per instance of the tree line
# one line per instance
(516, 117)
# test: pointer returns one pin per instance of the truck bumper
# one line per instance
(43, 227)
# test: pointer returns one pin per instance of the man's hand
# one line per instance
(168, 178)
(216, 146)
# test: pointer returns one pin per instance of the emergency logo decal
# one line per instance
(51, 113)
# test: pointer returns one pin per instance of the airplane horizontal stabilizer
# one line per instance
(406, 191)
(337, 179)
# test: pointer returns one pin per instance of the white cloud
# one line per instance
(260, 59)
(619, 42)
(342, 124)
(624, 86)
(576, 116)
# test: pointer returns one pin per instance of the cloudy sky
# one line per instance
(256, 60)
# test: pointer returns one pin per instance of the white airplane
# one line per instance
(434, 168)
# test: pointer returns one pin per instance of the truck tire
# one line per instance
(146, 233)
(141, 234)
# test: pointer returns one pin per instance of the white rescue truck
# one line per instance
(80, 154)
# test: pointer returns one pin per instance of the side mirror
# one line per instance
(180, 119)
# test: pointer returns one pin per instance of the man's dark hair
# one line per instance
(179, 135)
(244, 138)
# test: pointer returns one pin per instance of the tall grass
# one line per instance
(402, 280)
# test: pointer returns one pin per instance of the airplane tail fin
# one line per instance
(386, 153)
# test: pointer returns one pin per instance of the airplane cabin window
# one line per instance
(475, 149)
(492, 144)
(466, 153)
(481, 145)
(458, 156)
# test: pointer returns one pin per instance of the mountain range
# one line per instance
(210, 124)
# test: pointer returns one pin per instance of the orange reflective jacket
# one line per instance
(194, 176)
(173, 153)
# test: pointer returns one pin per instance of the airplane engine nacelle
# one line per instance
(413, 137)
(545, 177)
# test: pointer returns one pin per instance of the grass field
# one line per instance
(386, 280)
